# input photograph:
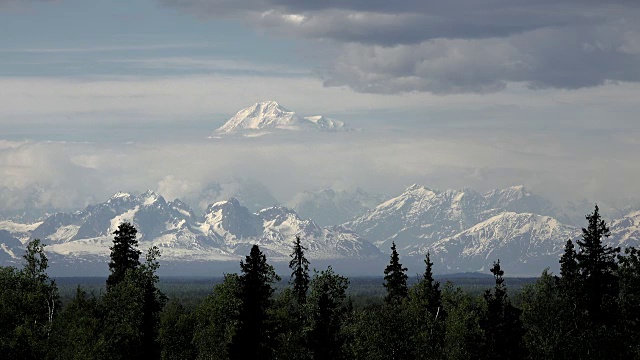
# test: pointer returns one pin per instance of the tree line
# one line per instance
(590, 311)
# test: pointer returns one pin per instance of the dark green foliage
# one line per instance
(29, 302)
(124, 253)
(289, 325)
(122, 310)
(153, 302)
(629, 302)
(552, 320)
(326, 313)
(299, 266)
(252, 339)
(464, 337)
(395, 278)
(502, 326)
(426, 315)
(597, 265)
(77, 329)
(176, 332)
(216, 320)
(380, 332)
(428, 291)
(132, 287)
(569, 264)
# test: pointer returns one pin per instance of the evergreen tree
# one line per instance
(426, 316)
(153, 302)
(464, 336)
(326, 314)
(430, 289)
(551, 318)
(137, 327)
(629, 302)
(299, 266)
(121, 309)
(569, 265)
(124, 253)
(29, 301)
(217, 320)
(569, 290)
(252, 340)
(502, 325)
(395, 279)
(597, 265)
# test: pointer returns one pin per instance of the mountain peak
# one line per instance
(120, 195)
(270, 115)
(149, 197)
(416, 188)
(262, 115)
(268, 103)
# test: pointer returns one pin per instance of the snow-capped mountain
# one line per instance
(226, 231)
(520, 200)
(523, 241)
(420, 216)
(10, 247)
(274, 229)
(330, 207)
(625, 231)
(325, 123)
(169, 225)
(269, 116)
(462, 229)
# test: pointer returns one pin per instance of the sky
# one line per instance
(102, 96)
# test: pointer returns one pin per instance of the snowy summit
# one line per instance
(268, 116)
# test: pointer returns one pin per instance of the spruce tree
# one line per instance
(395, 279)
(597, 265)
(252, 339)
(568, 262)
(502, 325)
(431, 288)
(327, 314)
(29, 301)
(570, 275)
(299, 266)
(124, 253)
(426, 316)
(629, 302)
(133, 286)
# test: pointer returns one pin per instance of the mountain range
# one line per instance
(462, 229)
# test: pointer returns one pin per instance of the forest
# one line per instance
(591, 310)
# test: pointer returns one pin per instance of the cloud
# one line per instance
(53, 174)
(463, 46)
(124, 99)
(215, 65)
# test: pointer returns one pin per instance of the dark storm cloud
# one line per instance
(454, 46)
(405, 22)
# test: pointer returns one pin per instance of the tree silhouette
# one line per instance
(124, 253)
(395, 279)
(299, 266)
(502, 325)
(597, 265)
(252, 340)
